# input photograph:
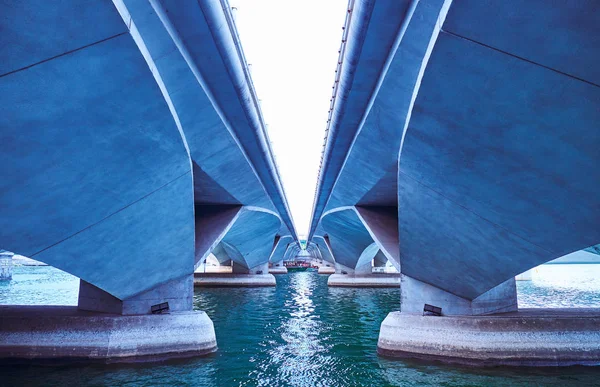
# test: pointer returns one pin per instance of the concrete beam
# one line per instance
(371, 41)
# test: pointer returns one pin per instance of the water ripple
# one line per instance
(303, 333)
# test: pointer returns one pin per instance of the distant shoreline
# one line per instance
(20, 260)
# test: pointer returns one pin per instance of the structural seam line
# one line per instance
(521, 58)
(63, 54)
(108, 216)
(473, 212)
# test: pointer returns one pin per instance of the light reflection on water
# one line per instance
(561, 286)
(39, 285)
(303, 333)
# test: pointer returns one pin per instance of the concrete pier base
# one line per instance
(233, 280)
(529, 337)
(66, 334)
(278, 270)
(326, 270)
(365, 280)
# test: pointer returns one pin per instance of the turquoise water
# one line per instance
(300, 333)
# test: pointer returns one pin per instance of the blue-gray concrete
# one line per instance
(481, 133)
(133, 146)
(478, 125)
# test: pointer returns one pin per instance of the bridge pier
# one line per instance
(488, 330)
(241, 276)
(326, 268)
(278, 268)
(527, 337)
(106, 329)
(356, 237)
(68, 334)
(363, 276)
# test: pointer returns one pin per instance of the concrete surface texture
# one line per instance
(381, 280)
(530, 337)
(66, 334)
(482, 110)
(476, 125)
(324, 269)
(135, 162)
(234, 280)
(278, 270)
(133, 143)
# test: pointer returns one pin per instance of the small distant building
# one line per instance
(5, 265)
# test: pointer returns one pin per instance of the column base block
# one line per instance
(233, 280)
(64, 334)
(528, 337)
(365, 280)
(326, 270)
(278, 270)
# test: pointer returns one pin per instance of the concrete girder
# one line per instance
(292, 252)
(313, 250)
(418, 68)
(372, 40)
(212, 224)
(190, 101)
(221, 255)
(369, 174)
(137, 120)
(195, 55)
(478, 199)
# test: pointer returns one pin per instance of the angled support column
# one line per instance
(282, 244)
(212, 224)
(355, 244)
(248, 242)
(328, 266)
(382, 224)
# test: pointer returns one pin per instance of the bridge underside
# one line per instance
(483, 134)
(133, 146)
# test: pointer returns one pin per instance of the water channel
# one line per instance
(300, 333)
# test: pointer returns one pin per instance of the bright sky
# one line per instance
(292, 47)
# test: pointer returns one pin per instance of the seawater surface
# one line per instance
(300, 333)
